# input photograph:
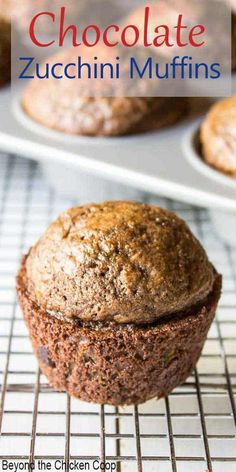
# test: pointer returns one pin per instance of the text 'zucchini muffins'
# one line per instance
(218, 136)
(118, 299)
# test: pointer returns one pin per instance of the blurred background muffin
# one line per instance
(66, 105)
(218, 136)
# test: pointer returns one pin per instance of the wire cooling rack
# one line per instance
(193, 430)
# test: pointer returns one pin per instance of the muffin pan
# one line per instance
(162, 162)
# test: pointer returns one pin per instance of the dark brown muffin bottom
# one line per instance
(5, 52)
(115, 364)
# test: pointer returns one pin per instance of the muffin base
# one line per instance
(117, 364)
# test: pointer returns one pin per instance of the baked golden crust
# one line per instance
(118, 261)
(218, 136)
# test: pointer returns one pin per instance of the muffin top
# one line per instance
(218, 136)
(118, 261)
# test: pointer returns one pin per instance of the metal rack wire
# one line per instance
(193, 430)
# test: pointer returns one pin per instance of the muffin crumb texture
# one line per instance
(118, 364)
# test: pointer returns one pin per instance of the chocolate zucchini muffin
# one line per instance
(65, 105)
(118, 299)
(218, 136)
(5, 51)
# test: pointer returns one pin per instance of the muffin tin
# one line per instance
(94, 169)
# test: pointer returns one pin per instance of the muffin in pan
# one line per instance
(118, 299)
(64, 105)
(218, 136)
(5, 51)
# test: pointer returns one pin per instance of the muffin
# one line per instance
(118, 298)
(218, 136)
(5, 51)
(65, 105)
